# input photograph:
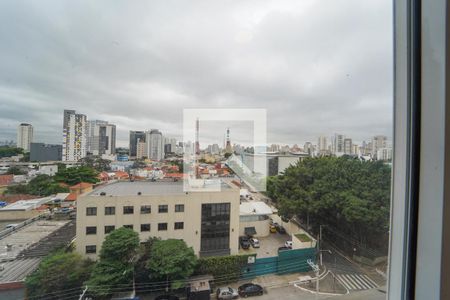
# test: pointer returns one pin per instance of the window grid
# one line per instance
(163, 208)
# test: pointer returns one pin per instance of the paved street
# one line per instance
(348, 274)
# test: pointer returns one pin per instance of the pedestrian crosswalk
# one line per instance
(356, 281)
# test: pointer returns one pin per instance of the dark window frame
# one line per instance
(161, 227)
(128, 210)
(163, 208)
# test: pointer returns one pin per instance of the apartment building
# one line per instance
(208, 221)
(24, 136)
(74, 136)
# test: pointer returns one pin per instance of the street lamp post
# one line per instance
(317, 270)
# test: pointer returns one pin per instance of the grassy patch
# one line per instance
(303, 237)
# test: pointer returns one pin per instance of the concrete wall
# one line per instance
(6, 215)
(191, 217)
(261, 227)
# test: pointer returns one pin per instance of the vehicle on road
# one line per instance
(244, 242)
(280, 229)
(254, 242)
(250, 289)
(272, 229)
(288, 244)
(225, 293)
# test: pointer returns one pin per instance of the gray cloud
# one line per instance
(318, 67)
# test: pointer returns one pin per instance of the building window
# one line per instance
(145, 227)
(162, 226)
(146, 209)
(215, 228)
(110, 210)
(109, 228)
(91, 249)
(179, 225)
(128, 226)
(128, 210)
(179, 208)
(163, 208)
(91, 211)
(91, 230)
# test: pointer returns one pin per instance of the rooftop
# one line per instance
(255, 208)
(128, 188)
(26, 204)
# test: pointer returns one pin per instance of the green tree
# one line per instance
(116, 263)
(171, 260)
(142, 273)
(120, 245)
(6, 151)
(109, 276)
(75, 175)
(57, 273)
(96, 162)
(350, 196)
(14, 170)
(44, 185)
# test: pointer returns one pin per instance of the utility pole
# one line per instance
(320, 243)
(317, 270)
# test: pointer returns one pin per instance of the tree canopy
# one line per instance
(57, 273)
(41, 185)
(6, 151)
(14, 170)
(171, 260)
(75, 175)
(350, 196)
(96, 162)
(115, 266)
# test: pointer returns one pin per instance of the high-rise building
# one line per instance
(74, 136)
(378, 142)
(155, 144)
(101, 137)
(24, 136)
(308, 148)
(322, 144)
(338, 144)
(135, 136)
(141, 149)
(384, 154)
(348, 146)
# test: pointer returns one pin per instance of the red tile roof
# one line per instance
(71, 197)
(6, 179)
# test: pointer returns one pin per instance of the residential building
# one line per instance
(154, 144)
(141, 149)
(308, 148)
(24, 136)
(384, 154)
(378, 142)
(101, 138)
(45, 152)
(74, 136)
(338, 144)
(322, 145)
(208, 221)
(135, 137)
(348, 146)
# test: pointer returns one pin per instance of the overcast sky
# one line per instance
(318, 67)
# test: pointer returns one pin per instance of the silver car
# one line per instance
(227, 293)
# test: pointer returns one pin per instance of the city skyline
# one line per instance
(143, 73)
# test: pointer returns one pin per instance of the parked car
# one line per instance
(254, 242)
(281, 229)
(167, 297)
(250, 289)
(226, 293)
(244, 242)
(272, 229)
(288, 244)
